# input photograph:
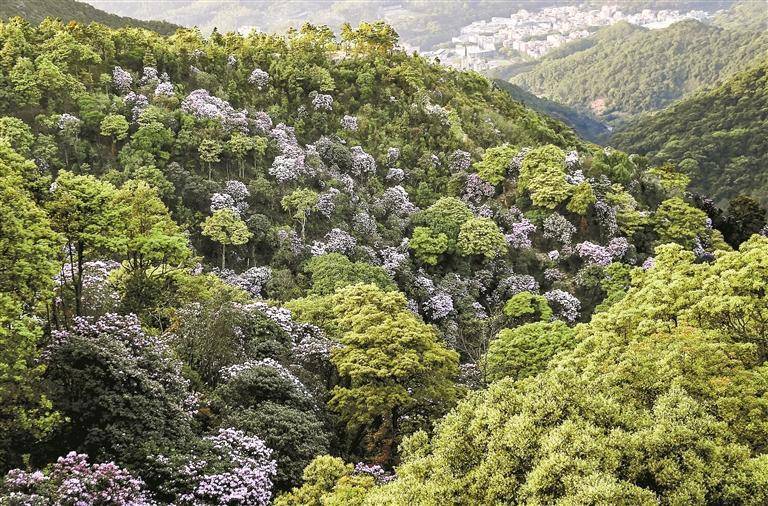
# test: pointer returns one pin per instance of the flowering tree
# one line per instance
(72, 479)
(119, 387)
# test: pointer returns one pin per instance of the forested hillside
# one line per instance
(313, 269)
(35, 11)
(584, 125)
(644, 70)
(717, 136)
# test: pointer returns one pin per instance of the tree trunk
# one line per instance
(223, 255)
(79, 281)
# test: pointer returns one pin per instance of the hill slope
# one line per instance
(183, 192)
(35, 11)
(587, 127)
(644, 71)
(718, 136)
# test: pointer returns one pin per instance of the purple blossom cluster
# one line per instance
(435, 111)
(229, 373)
(606, 216)
(286, 168)
(554, 255)
(618, 247)
(364, 224)
(558, 229)
(68, 123)
(335, 241)
(575, 178)
(552, 275)
(349, 123)
(395, 200)
(460, 161)
(247, 479)
(98, 294)
(290, 239)
(593, 253)
(393, 155)
(565, 305)
(259, 78)
(514, 284)
(326, 202)
(517, 161)
(233, 197)
(231, 60)
(477, 189)
(253, 280)
(377, 472)
(164, 89)
(223, 201)
(649, 263)
(571, 160)
(261, 122)
(137, 102)
(149, 75)
(395, 175)
(439, 306)
(392, 258)
(203, 105)
(520, 234)
(122, 80)
(144, 349)
(73, 480)
(362, 162)
(290, 164)
(322, 102)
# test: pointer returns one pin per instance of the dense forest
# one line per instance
(310, 268)
(630, 70)
(716, 136)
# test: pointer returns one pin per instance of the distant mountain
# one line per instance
(642, 70)
(717, 136)
(586, 126)
(419, 23)
(35, 11)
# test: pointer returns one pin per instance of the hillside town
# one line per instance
(525, 35)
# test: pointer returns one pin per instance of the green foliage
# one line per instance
(675, 60)
(114, 125)
(35, 11)
(481, 236)
(226, 228)
(653, 403)
(300, 202)
(528, 305)
(333, 270)
(583, 197)
(25, 411)
(328, 481)
(526, 350)
(745, 217)
(677, 221)
(446, 216)
(542, 175)
(28, 246)
(390, 362)
(495, 163)
(714, 135)
(584, 124)
(426, 246)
